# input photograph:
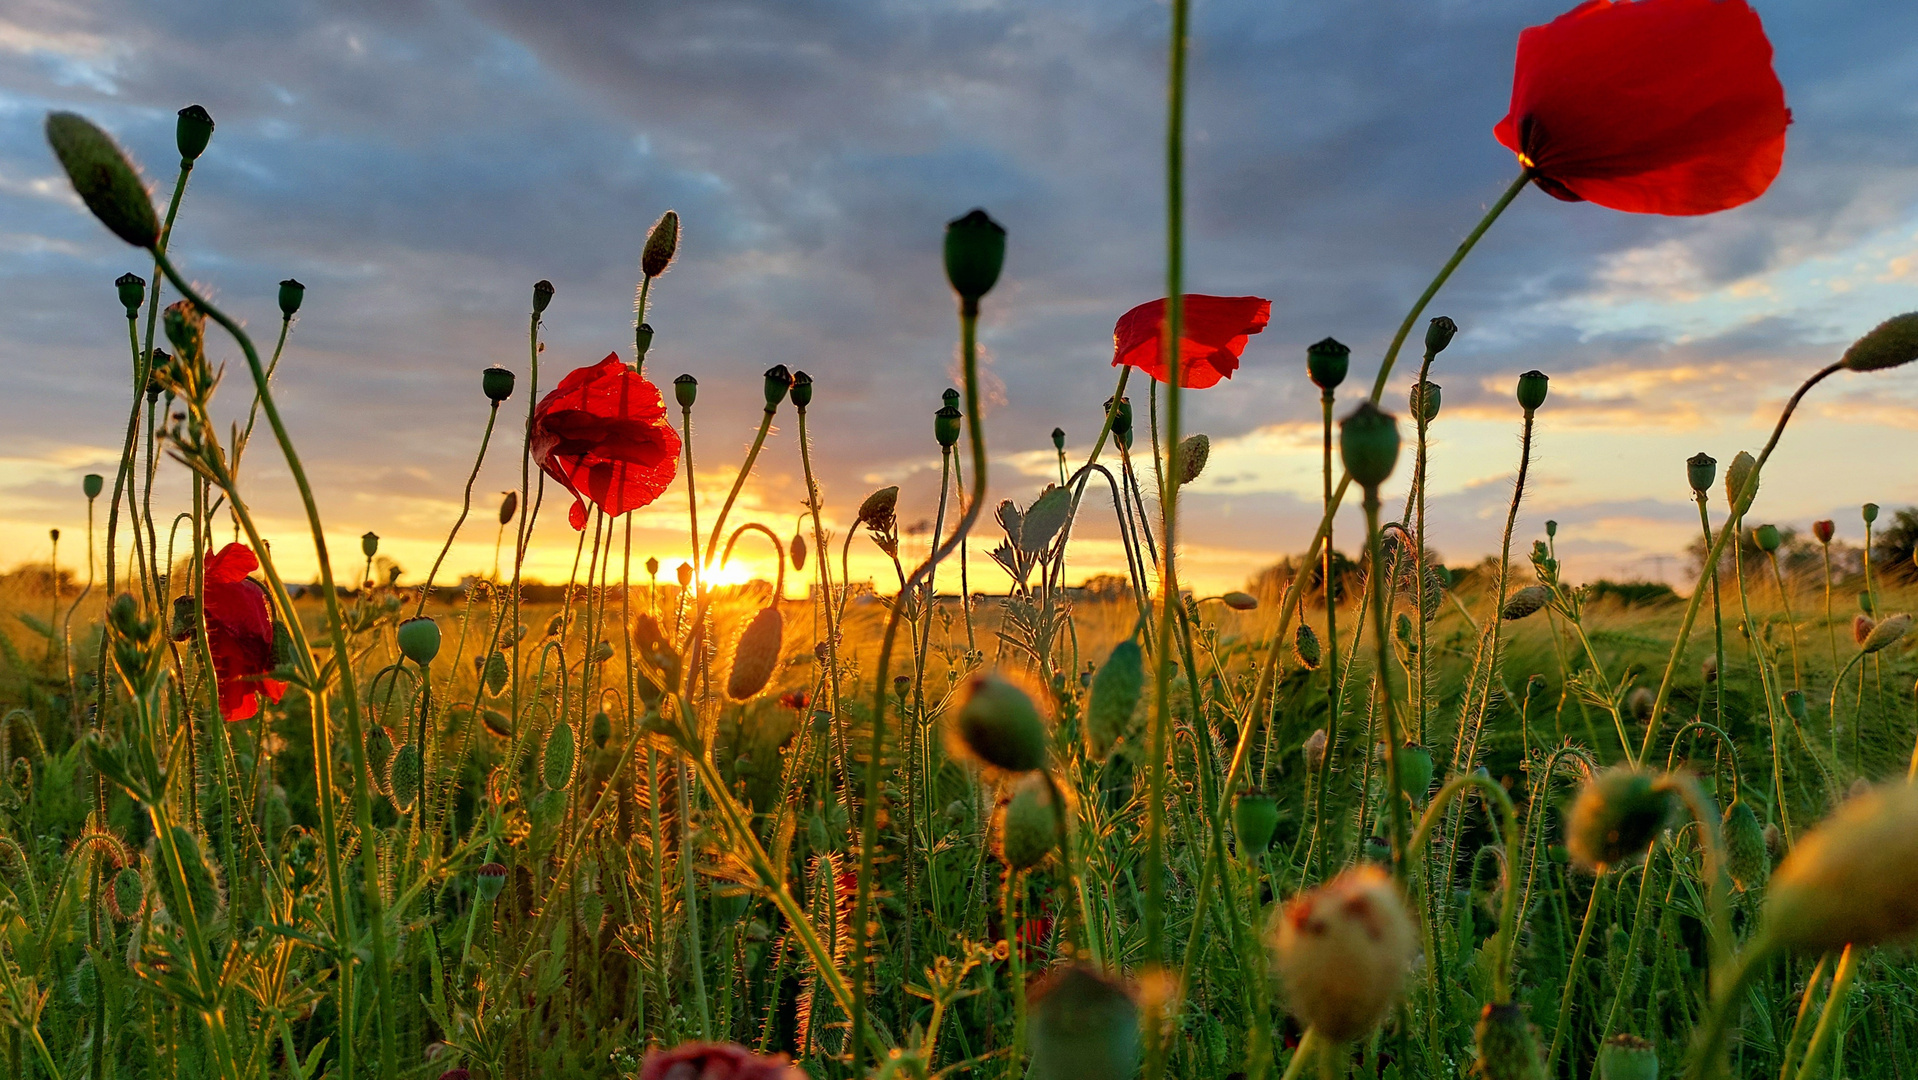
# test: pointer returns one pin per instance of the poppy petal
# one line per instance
(1212, 338)
(602, 433)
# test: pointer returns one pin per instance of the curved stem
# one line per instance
(1509, 834)
(466, 506)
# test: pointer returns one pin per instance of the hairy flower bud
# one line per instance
(1700, 470)
(1745, 854)
(1617, 816)
(1888, 630)
(975, 253)
(1326, 363)
(1889, 344)
(1342, 951)
(558, 757)
(1082, 1026)
(1030, 824)
(1527, 601)
(1306, 649)
(1255, 821)
(757, 654)
(508, 506)
(1416, 769)
(1741, 471)
(1116, 689)
(104, 179)
(999, 725)
(1194, 451)
(496, 383)
(1531, 389)
(1369, 444)
(662, 243)
(1424, 401)
(796, 550)
(192, 131)
(1853, 879)
(878, 510)
(1240, 601)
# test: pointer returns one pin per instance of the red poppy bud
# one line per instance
(1212, 337)
(104, 179)
(1824, 530)
(1656, 107)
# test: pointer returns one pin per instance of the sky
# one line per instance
(418, 165)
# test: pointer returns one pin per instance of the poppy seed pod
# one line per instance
(1853, 879)
(1306, 649)
(662, 243)
(801, 390)
(1627, 1057)
(1438, 334)
(1255, 821)
(133, 292)
(1116, 689)
(757, 654)
(1194, 450)
(497, 383)
(975, 253)
(642, 340)
(508, 506)
(1888, 630)
(950, 397)
(91, 485)
(542, 295)
(999, 725)
(1745, 854)
(1889, 344)
(652, 566)
(420, 639)
(1527, 601)
(685, 391)
(192, 131)
(685, 573)
(1531, 389)
(1082, 1026)
(1059, 439)
(1507, 1049)
(1700, 470)
(1869, 512)
(1766, 537)
(292, 294)
(945, 425)
(778, 381)
(103, 178)
(1326, 363)
(1029, 823)
(1738, 474)
(1369, 444)
(1424, 401)
(796, 549)
(1617, 816)
(879, 508)
(1824, 530)
(369, 543)
(1342, 951)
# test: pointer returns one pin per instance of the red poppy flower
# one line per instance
(796, 700)
(239, 631)
(602, 433)
(1653, 107)
(1214, 334)
(716, 1061)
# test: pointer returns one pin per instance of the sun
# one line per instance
(729, 572)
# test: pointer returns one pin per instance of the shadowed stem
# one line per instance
(1382, 679)
(1315, 852)
(1791, 626)
(1718, 614)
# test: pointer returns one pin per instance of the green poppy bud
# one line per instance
(488, 881)
(133, 292)
(1700, 470)
(129, 893)
(1415, 771)
(1326, 363)
(1059, 439)
(403, 776)
(1438, 334)
(420, 640)
(508, 506)
(1116, 689)
(1369, 444)
(1255, 821)
(556, 764)
(662, 243)
(1551, 528)
(975, 253)
(91, 484)
(104, 179)
(496, 673)
(292, 294)
(999, 725)
(1627, 1057)
(945, 425)
(1240, 601)
(1889, 344)
(778, 381)
(1870, 512)
(1617, 816)
(1306, 648)
(1745, 854)
(370, 544)
(1766, 537)
(1425, 400)
(1029, 823)
(1852, 880)
(1741, 471)
(801, 390)
(757, 654)
(497, 383)
(185, 328)
(1121, 418)
(1082, 1026)
(1507, 1050)
(192, 131)
(542, 295)
(1887, 630)
(685, 391)
(1531, 390)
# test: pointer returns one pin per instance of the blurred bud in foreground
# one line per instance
(1082, 1026)
(1342, 951)
(1852, 880)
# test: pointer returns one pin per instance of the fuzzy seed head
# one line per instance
(1741, 471)
(1342, 951)
(1745, 854)
(1888, 630)
(1194, 450)
(1306, 649)
(1889, 344)
(1616, 817)
(1314, 750)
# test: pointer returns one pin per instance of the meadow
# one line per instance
(1370, 814)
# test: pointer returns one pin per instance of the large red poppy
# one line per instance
(1211, 340)
(1654, 107)
(239, 631)
(602, 433)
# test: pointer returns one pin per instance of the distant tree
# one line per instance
(1892, 546)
